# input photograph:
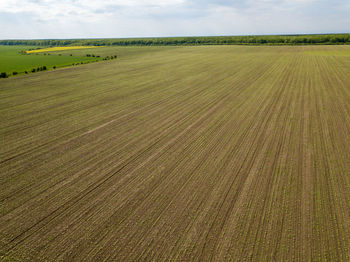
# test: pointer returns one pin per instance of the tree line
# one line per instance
(37, 69)
(204, 40)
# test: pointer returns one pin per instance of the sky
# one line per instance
(52, 19)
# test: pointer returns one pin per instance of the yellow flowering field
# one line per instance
(58, 48)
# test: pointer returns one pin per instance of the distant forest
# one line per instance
(331, 39)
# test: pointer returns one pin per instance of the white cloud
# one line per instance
(131, 18)
(53, 6)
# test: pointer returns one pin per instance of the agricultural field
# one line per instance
(202, 153)
(58, 48)
(12, 59)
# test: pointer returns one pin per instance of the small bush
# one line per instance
(33, 70)
(3, 75)
(14, 73)
(54, 67)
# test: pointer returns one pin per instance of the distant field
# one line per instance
(208, 153)
(121, 52)
(13, 60)
(59, 48)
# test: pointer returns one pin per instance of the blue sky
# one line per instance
(26, 19)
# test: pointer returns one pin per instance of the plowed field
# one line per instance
(210, 153)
